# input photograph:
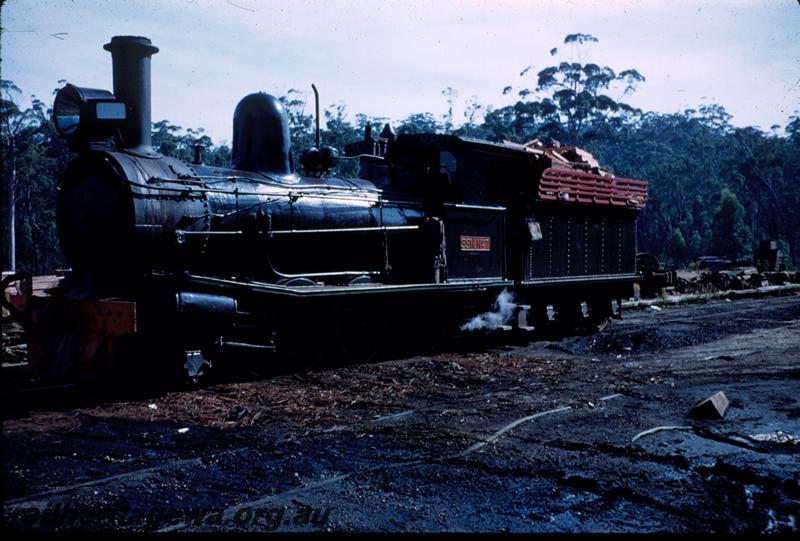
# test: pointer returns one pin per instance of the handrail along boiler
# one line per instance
(198, 263)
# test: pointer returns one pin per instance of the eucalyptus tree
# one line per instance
(572, 100)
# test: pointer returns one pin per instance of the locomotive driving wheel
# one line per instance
(301, 338)
(416, 333)
(302, 345)
(360, 334)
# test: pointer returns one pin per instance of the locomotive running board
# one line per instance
(332, 291)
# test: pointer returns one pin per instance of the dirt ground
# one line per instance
(529, 437)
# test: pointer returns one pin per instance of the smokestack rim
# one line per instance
(131, 42)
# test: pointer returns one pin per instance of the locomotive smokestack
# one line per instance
(131, 59)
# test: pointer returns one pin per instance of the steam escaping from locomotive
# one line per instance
(504, 307)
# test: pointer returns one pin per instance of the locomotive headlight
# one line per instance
(87, 114)
(66, 111)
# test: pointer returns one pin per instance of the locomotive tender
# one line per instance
(196, 264)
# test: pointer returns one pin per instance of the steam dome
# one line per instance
(261, 140)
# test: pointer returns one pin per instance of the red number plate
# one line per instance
(476, 244)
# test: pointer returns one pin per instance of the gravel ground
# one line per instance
(534, 437)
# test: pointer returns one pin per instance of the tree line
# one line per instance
(714, 188)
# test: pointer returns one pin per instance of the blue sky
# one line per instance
(391, 58)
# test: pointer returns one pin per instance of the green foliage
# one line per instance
(450, 94)
(786, 249)
(570, 103)
(337, 133)
(731, 237)
(171, 140)
(688, 158)
(33, 158)
(677, 247)
(301, 124)
(420, 123)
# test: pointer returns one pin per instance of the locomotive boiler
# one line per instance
(194, 265)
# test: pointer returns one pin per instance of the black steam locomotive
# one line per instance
(196, 264)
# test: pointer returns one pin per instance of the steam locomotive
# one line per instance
(194, 264)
